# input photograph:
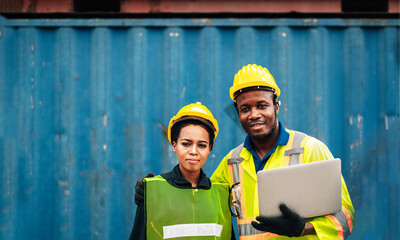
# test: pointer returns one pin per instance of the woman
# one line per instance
(184, 203)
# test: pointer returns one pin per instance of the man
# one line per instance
(269, 145)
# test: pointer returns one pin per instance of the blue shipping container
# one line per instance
(84, 104)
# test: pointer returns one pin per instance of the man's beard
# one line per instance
(262, 138)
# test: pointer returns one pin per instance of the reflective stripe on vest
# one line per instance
(343, 223)
(294, 149)
(186, 213)
(192, 230)
(293, 155)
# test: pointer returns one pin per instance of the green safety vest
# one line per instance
(176, 213)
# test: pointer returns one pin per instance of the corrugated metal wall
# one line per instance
(196, 6)
(84, 105)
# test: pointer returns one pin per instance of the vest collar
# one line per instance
(175, 179)
(283, 138)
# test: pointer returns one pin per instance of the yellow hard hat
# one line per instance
(195, 111)
(253, 77)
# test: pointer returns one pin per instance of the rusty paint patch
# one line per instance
(6, 209)
(355, 144)
(313, 20)
(172, 34)
(154, 6)
(164, 129)
(183, 92)
(65, 225)
(205, 20)
(63, 183)
(4, 226)
(28, 190)
(8, 181)
(360, 120)
(386, 122)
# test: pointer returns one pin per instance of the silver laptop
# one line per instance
(311, 189)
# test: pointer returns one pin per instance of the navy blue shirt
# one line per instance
(283, 138)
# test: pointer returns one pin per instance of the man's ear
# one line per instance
(278, 103)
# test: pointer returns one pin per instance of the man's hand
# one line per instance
(139, 189)
(289, 224)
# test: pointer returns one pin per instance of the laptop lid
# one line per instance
(311, 189)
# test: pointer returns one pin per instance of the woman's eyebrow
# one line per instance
(185, 139)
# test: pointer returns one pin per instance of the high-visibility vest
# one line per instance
(293, 155)
(335, 226)
(176, 213)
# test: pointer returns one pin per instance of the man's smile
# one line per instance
(256, 125)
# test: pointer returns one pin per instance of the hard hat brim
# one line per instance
(250, 85)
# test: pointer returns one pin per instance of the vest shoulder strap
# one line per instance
(234, 162)
(235, 155)
(295, 148)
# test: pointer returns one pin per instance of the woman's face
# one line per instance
(192, 148)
